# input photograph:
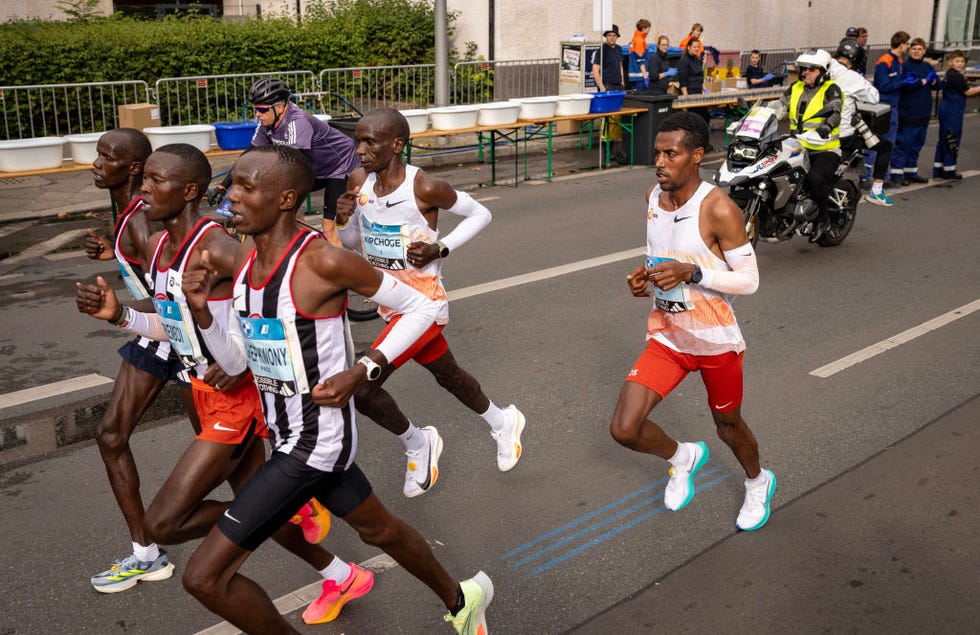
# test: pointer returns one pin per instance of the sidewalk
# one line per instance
(70, 193)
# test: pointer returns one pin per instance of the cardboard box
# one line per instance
(139, 116)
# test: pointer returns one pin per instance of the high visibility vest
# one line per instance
(809, 121)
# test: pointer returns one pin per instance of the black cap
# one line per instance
(614, 29)
(852, 31)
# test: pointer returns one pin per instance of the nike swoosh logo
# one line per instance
(230, 517)
(428, 472)
(678, 219)
(390, 204)
(723, 405)
(218, 426)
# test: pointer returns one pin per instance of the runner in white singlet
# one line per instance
(390, 213)
(698, 257)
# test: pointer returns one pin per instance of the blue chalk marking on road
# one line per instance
(701, 482)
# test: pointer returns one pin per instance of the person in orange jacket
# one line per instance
(638, 76)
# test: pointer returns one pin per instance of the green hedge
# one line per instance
(341, 33)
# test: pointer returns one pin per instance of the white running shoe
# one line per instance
(755, 510)
(680, 487)
(423, 466)
(508, 439)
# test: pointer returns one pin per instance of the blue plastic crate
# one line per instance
(234, 135)
(607, 101)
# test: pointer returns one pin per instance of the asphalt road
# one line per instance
(576, 527)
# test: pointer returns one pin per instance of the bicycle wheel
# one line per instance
(359, 308)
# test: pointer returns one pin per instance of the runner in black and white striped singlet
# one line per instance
(288, 354)
(168, 299)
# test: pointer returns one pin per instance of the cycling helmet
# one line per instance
(850, 50)
(815, 58)
(268, 90)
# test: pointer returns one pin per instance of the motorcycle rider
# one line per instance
(856, 88)
(814, 106)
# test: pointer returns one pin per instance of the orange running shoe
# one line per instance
(314, 519)
(327, 607)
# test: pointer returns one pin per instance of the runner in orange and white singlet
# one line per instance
(390, 213)
(698, 257)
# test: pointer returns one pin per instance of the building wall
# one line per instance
(43, 9)
(529, 30)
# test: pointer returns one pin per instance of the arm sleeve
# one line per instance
(475, 217)
(417, 314)
(743, 279)
(350, 234)
(146, 324)
(227, 344)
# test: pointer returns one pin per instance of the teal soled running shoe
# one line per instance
(125, 573)
(756, 508)
(680, 487)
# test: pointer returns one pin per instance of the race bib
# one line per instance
(272, 350)
(677, 300)
(132, 283)
(384, 246)
(180, 332)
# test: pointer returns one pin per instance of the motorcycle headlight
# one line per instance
(744, 152)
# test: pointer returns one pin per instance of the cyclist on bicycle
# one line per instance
(281, 122)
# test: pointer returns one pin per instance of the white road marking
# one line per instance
(64, 255)
(895, 340)
(544, 274)
(486, 198)
(52, 390)
(46, 247)
(300, 598)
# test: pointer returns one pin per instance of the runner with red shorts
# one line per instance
(698, 257)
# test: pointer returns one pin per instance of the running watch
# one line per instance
(373, 368)
(696, 275)
(443, 250)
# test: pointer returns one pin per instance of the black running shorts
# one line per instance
(279, 488)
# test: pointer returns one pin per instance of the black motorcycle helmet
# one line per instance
(268, 90)
(850, 50)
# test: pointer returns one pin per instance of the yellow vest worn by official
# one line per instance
(809, 121)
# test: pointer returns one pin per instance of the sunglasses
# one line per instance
(262, 109)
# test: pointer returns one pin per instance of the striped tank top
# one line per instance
(289, 353)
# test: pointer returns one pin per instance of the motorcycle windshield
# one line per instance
(754, 124)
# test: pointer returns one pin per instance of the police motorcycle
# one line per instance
(765, 172)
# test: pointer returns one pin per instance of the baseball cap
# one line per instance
(615, 29)
(852, 31)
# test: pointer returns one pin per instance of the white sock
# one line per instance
(338, 570)
(682, 456)
(413, 439)
(495, 417)
(761, 479)
(876, 187)
(146, 554)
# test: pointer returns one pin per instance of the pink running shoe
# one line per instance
(327, 607)
(314, 519)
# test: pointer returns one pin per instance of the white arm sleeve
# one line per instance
(350, 234)
(146, 324)
(227, 344)
(417, 314)
(743, 279)
(475, 217)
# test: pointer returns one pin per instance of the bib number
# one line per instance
(677, 300)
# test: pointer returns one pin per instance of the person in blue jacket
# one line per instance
(951, 109)
(890, 80)
(914, 112)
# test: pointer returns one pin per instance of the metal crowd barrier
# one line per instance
(60, 109)
(499, 80)
(213, 98)
(369, 87)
